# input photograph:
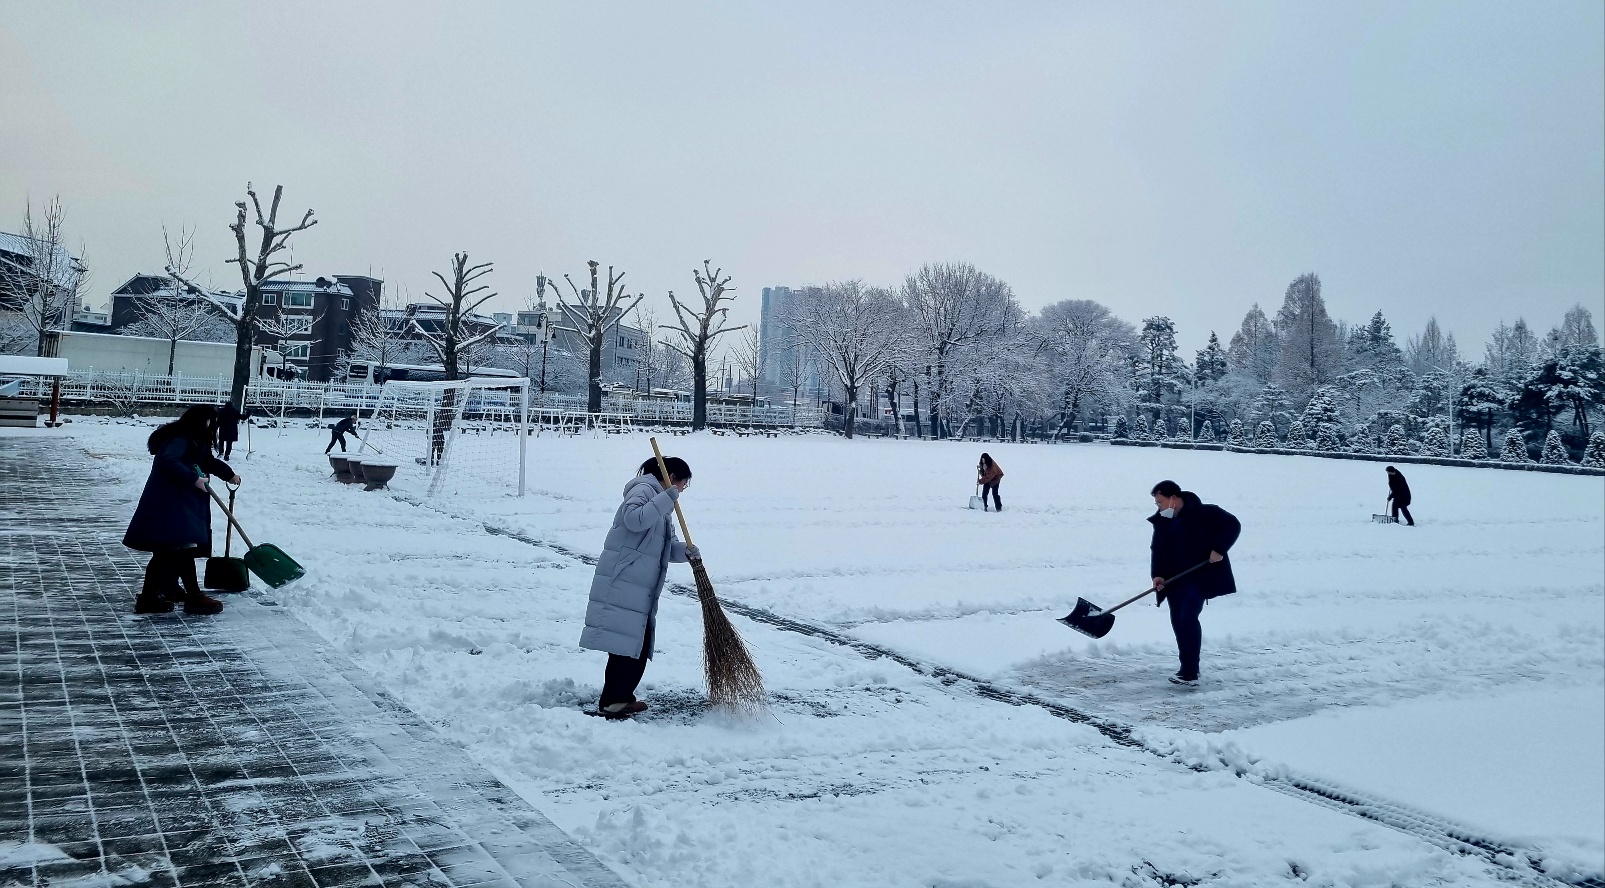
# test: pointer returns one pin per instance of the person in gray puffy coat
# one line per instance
(629, 579)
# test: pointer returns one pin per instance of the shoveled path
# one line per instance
(231, 750)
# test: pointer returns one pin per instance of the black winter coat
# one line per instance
(1185, 540)
(173, 513)
(228, 422)
(347, 426)
(1398, 489)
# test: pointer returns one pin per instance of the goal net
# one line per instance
(465, 437)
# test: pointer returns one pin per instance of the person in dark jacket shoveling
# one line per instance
(623, 609)
(1399, 496)
(1189, 532)
(338, 432)
(173, 521)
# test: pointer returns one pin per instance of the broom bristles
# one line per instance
(733, 678)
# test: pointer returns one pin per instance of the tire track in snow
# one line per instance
(1525, 864)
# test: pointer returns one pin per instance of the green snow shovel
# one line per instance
(227, 574)
(1089, 619)
(267, 560)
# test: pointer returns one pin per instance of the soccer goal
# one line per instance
(467, 436)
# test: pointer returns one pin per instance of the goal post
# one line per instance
(465, 436)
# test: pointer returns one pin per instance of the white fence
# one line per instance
(128, 390)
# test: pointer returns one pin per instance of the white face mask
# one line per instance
(1167, 513)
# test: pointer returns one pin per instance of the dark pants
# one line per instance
(623, 675)
(1405, 508)
(1186, 603)
(336, 437)
(225, 449)
(993, 487)
(171, 574)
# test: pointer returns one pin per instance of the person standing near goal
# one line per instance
(623, 608)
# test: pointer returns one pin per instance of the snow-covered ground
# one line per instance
(1457, 667)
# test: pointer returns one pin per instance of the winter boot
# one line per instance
(1183, 681)
(622, 710)
(201, 605)
(152, 604)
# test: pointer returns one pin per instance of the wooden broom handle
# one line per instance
(248, 544)
(664, 468)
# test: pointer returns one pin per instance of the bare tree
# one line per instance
(698, 330)
(957, 308)
(594, 314)
(254, 271)
(748, 356)
(454, 342)
(795, 370)
(1087, 348)
(48, 279)
(856, 330)
(178, 314)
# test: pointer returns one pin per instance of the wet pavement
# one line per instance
(231, 750)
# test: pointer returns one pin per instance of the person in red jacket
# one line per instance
(989, 474)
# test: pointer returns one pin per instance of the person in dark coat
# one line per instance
(173, 521)
(229, 418)
(1188, 531)
(989, 474)
(623, 609)
(1399, 496)
(338, 432)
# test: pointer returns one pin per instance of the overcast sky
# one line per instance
(1185, 159)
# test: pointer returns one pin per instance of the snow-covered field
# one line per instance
(1457, 667)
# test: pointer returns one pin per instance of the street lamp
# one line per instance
(543, 329)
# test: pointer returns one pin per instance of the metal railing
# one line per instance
(128, 389)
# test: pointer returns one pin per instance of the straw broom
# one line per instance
(733, 679)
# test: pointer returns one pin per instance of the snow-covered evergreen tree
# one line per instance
(1265, 435)
(1360, 440)
(1122, 429)
(1594, 453)
(1396, 444)
(1515, 449)
(1296, 438)
(1234, 436)
(1327, 439)
(1141, 432)
(1161, 430)
(1435, 442)
(1472, 445)
(1371, 347)
(1322, 409)
(1211, 363)
(1555, 451)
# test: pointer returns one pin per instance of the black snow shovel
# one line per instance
(267, 560)
(227, 574)
(1089, 619)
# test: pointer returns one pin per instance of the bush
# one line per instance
(1327, 439)
(1141, 433)
(1296, 439)
(1435, 443)
(1122, 428)
(1265, 435)
(1396, 444)
(1234, 435)
(1360, 440)
(1161, 430)
(1594, 453)
(1555, 452)
(1472, 446)
(1515, 449)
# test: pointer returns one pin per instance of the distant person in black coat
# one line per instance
(174, 519)
(1188, 532)
(338, 432)
(1399, 496)
(229, 418)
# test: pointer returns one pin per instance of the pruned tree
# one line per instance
(176, 313)
(454, 341)
(594, 314)
(48, 281)
(699, 328)
(855, 330)
(956, 309)
(254, 271)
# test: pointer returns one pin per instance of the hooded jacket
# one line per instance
(173, 513)
(1187, 539)
(630, 574)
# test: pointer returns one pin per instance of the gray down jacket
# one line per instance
(630, 574)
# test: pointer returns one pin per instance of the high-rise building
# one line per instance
(779, 350)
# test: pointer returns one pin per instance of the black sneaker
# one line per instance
(1184, 681)
(152, 604)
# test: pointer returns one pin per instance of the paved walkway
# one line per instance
(231, 750)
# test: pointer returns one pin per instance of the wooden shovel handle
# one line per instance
(248, 544)
(664, 468)
(1144, 592)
